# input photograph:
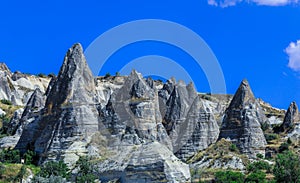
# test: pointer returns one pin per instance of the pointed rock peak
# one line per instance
(191, 90)
(172, 80)
(181, 83)
(293, 107)
(3, 67)
(35, 103)
(75, 56)
(135, 75)
(243, 94)
(75, 81)
(291, 117)
(245, 83)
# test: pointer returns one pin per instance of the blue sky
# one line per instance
(253, 39)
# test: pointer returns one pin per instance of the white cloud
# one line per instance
(293, 51)
(226, 3)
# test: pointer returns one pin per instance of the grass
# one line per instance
(12, 170)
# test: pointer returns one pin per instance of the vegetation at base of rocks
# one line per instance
(287, 167)
(283, 147)
(86, 173)
(256, 177)
(222, 149)
(15, 172)
(51, 168)
(259, 166)
(6, 102)
(229, 177)
(233, 148)
(10, 156)
(272, 136)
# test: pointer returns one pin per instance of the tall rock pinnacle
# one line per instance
(242, 122)
(75, 81)
(132, 113)
(70, 116)
(291, 117)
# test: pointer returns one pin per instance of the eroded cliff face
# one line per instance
(70, 117)
(139, 129)
(242, 122)
(291, 117)
(17, 87)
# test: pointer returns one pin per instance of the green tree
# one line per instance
(287, 167)
(107, 75)
(54, 169)
(229, 177)
(6, 102)
(259, 165)
(86, 173)
(29, 157)
(256, 177)
(10, 156)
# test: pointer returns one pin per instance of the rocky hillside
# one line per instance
(136, 129)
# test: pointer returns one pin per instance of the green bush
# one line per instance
(42, 75)
(2, 169)
(272, 136)
(287, 167)
(86, 173)
(229, 177)
(118, 74)
(283, 147)
(259, 165)
(256, 177)
(29, 157)
(54, 169)
(260, 156)
(107, 75)
(6, 102)
(10, 156)
(233, 148)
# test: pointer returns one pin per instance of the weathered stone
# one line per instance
(291, 117)
(18, 87)
(242, 122)
(197, 132)
(2, 113)
(178, 106)
(70, 117)
(150, 162)
(132, 113)
(15, 122)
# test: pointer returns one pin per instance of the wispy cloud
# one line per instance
(293, 51)
(227, 3)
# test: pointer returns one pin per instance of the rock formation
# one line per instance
(18, 87)
(197, 132)
(291, 117)
(149, 162)
(242, 122)
(132, 113)
(70, 116)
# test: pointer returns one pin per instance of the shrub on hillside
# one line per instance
(229, 177)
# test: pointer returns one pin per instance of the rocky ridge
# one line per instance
(136, 129)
